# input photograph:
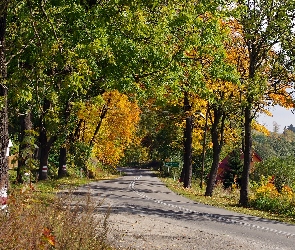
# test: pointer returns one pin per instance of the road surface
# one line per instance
(147, 215)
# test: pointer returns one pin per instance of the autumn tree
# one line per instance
(221, 108)
(203, 60)
(108, 126)
(268, 37)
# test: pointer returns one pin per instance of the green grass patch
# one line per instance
(223, 198)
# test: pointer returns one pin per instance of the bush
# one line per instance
(267, 198)
(282, 169)
(62, 223)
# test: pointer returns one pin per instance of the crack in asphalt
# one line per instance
(206, 215)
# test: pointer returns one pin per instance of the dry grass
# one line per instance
(55, 223)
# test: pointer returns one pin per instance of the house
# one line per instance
(224, 165)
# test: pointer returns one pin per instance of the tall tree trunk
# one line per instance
(204, 149)
(62, 168)
(244, 192)
(216, 156)
(24, 148)
(44, 154)
(186, 174)
(44, 143)
(3, 111)
(187, 161)
(103, 113)
(217, 134)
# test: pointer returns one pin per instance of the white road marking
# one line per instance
(207, 215)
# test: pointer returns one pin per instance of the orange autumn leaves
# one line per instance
(117, 127)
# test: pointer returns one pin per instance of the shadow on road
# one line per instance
(118, 196)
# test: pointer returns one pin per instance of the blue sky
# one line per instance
(283, 117)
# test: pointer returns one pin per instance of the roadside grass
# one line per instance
(38, 218)
(228, 199)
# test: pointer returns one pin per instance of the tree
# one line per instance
(268, 36)
(3, 107)
(108, 126)
(222, 108)
(206, 62)
(224, 102)
(25, 148)
(274, 145)
(291, 128)
(50, 69)
(234, 172)
(280, 168)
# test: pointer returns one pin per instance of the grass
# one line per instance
(228, 199)
(38, 218)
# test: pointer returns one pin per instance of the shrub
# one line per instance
(282, 169)
(267, 198)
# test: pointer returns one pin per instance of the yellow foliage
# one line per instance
(283, 99)
(266, 112)
(267, 188)
(260, 128)
(287, 192)
(237, 52)
(231, 136)
(117, 127)
(198, 136)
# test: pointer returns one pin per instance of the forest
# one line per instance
(89, 85)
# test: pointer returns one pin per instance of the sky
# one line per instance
(283, 117)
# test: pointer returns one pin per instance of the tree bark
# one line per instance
(217, 133)
(187, 161)
(62, 169)
(44, 144)
(24, 148)
(186, 174)
(216, 154)
(204, 150)
(103, 113)
(102, 116)
(244, 191)
(3, 111)
(44, 154)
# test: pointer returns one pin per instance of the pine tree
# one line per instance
(235, 167)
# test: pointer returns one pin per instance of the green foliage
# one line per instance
(274, 145)
(234, 174)
(2, 102)
(79, 155)
(27, 153)
(281, 168)
(69, 52)
(161, 133)
(291, 128)
(134, 153)
(267, 198)
(197, 164)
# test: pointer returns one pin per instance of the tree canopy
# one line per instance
(101, 79)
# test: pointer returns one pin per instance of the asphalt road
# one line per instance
(147, 215)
